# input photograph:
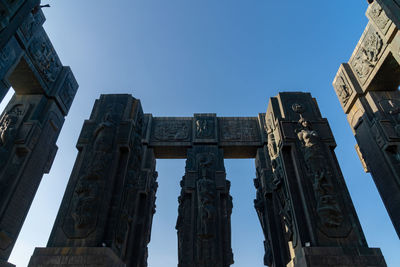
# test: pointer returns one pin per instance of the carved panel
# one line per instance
(239, 130)
(368, 53)
(378, 16)
(171, 130)
(204, 127)
(45, 58)
(31, 25)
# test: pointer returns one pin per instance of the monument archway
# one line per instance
(302, 202)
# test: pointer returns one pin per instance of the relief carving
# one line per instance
(7, 55)
(87, 194)
(8, 131)
(171, 130)
(379, 16)
(207, 213)
(367, 55)
(68, 91)
(204, 128)
(391, 107)
(45, 58)
(235, 130)
(343, 90)
(327, 206)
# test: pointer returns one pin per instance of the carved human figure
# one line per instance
(87, 190)
(314, 156)
(85, 195)
(7, 135)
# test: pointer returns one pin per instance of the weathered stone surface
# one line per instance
(29, 128)
(373, 112)
(313, 202)
(170, 137)
(337, 256)
(109, 200)
(75, 257)
(205, 207)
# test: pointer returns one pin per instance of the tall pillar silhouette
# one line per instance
(205, 206)
(106, 214)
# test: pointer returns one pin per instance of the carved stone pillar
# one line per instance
(319, 217)
(367, 88)
(205, 207)
(110, 198)
(29, 128)
(273, 210)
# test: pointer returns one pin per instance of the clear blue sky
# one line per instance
(217, 56)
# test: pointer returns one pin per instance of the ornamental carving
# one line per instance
(7, 55)
(379, 16)
(368, 55)
(343, 90)
(45, 58)
(205, 128)
(171, 131)
(87, 194)
(391, 107)
(8, 131)
(319, 171)
(239, 130)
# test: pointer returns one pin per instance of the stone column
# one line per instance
(367, 88)
(110, 198)
(205, 206)
(273, 210)
(324, 229)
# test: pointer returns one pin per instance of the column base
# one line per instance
(75, 257)
(335, 256)
(6, 264)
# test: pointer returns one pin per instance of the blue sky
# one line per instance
(181, 57)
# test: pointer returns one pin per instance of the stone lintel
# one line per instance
(76, 257)
(338, 256)
(240, 137)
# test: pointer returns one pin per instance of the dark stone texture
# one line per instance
(367, 88)
(110, 197)
(29, 128)
(31, 123)
(336, 256)
(205, 207)
(306, 182)
(75, 257)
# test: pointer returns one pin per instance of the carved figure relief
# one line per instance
(204, 128)
(8, 131)
(234, 130)
(87, 191)
(379, 16)
(45, 58)
(343, 90)
(206, 191)
(367, 55)
(319, 170)
(171, 130)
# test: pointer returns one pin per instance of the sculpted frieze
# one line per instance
(343, 90)
(379, 16)
(367, 55)
(327, 206)
(239, 130)
(171, 130)
(45, 58)
(205, 127)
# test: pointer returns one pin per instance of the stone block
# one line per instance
(71, 257)
(336, 256)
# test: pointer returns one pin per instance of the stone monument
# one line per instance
(32, 120)
(304, 208)
(367, 88)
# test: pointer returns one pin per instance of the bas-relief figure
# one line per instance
(367, 55)
(172, 130)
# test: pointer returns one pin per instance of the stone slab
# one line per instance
(336, 256)
(76, 257)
